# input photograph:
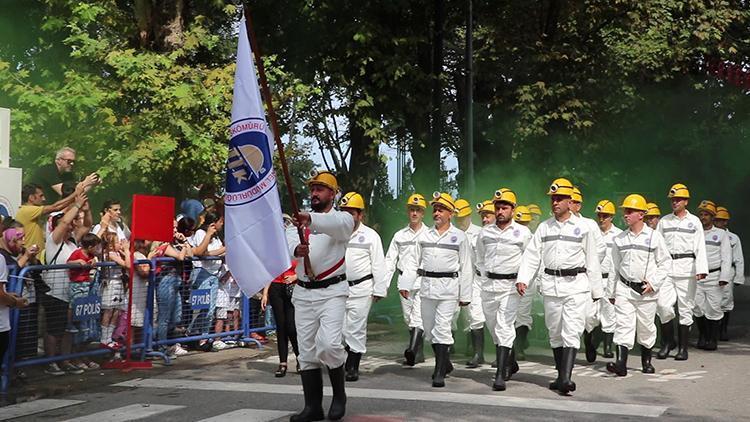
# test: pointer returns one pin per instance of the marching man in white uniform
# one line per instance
(652, 215)
(320, 297)
(365, 273)
(640, 265)
(499, 250)
(473, 314)
(524, 321)
(684, 236)
(710, 291)
(738, 269)
(604, 316)
(402, 257)
(444, 268)
(566, 247)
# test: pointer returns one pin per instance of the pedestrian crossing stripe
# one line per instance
(33, 407)
(127, 413)
(244, 415)
(573, 406)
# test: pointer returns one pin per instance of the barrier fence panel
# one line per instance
(77, 313)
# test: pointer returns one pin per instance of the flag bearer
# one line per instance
(566, 248)
(401, 257)
(365, 273)
(640, 266)
(320, 297)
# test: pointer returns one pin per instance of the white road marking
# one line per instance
(575, 406)
(127, 413)
(32, 407)
(244, 415)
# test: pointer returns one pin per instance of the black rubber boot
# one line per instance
(646, 361)
(607, 351)
(420, 347)
(441, 364)
(712, 334)
(477, 342)
(338, 403)
(700, 322)
(588, 342)
(557, 353)
(312, 386)
(667, 340)
(511, 367)
(352, 372)
(415, 345)
(724, 333)
(682, 337)
(620, 367)
(503, 354)
(522, 342)
(568, 361)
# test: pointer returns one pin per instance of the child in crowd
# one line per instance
(113, 290)
(80, 284)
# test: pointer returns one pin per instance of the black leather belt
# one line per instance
(321, 284)
(496, 276)
(683, 255)
(714, 270)
(566, 272)
(359, 280)
(605, 275)
(435, 274)
(477, 272)
(636, 286)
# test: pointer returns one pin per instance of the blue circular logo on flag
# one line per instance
(250, 172)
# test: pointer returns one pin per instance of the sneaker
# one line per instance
(219, 345)
(93, 365)
(71, 369)
(71, 328)
(259, 337)
(230, 342)
(179, 351)
(54, 370)
(81, 365)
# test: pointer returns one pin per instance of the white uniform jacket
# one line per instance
(402, 255)
(635, 258)
(561, 246)
(499, 252)
(364, 257)
(719, 255)
(443, 253)
(738, 261)
(607, 261)
(684, 236)
(329, 234)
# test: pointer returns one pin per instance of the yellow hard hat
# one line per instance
(534, 209)
(463, 208)
(605, 206)
(722, 213)
(505, 195)
(653, 210)
(679, 190)
(577, 195)
(352, 200)
(323, 178)
(561, 186)
(416, 200)
(445, 200)
(486, 206)
(634, 202)
(522, 214)
(707, 206)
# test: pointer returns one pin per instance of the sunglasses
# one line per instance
(67, 160)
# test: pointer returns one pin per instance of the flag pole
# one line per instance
(276, 133)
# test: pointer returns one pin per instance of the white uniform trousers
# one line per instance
(473, 316)
(437, 315)
(601, 313)
(523, 315)
(635, 317)
(411, 308)
(355, 326)
(680, 290)
(500, 314)
(320, 325)
(727, 300)
(565, 318)
(708, 301)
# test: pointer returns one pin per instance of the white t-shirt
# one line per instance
(140, 291)
(213, 266)
(4, 310)
(58, 280)
(121, 235)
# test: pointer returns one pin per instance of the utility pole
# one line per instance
(469, 101)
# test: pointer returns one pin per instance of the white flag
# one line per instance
(257, 251)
